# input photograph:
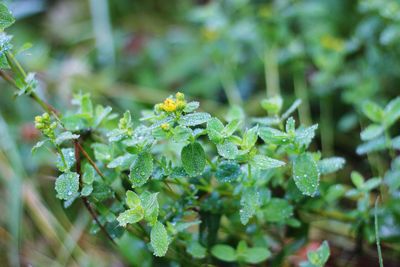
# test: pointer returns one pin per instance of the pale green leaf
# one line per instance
(264, 163)
(306, 174)
(130, 216)
(159, 239)
(194, 119)
(330, 165)
(371, 132)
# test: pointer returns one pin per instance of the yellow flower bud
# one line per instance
(165, 126)
(180, 96)
(180, 104)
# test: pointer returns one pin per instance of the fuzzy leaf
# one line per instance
(65, 136)
(132, 199)
(304, 136)
(150, 206)
(271, 135)
(194, 119)
(193, 159)
(227, 171)
(88, 174)
(306, 174)
(130, 216)
(67, 185)
(264, 163)
(69, 157)
(371, 132)
(159, 239)
(141, 169)
(215, 130)
(250, 138)
(6, 18)
(330, 165)
(227, 150)
(249, 201)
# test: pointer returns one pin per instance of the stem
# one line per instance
(85, 199)
(378, 244)
(271, 72)
(300, 90)
(21, 72)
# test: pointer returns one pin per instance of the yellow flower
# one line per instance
(169, 105)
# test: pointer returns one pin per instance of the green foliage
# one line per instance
(196, 184)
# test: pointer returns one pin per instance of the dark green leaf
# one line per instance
(224, 253)
(228, 171)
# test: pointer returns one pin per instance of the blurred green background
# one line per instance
(333, 54)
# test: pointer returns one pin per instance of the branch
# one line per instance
(85, 199)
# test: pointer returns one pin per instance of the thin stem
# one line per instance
(378, 244)
(271, 72)
(85, 199)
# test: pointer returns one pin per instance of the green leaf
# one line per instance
(274, 136)
(150, 206)
(196, 250)
(250, 138)
(304, 136)
(357, 179)
(320, 256)
(374, 112)
(227, 171)
(87, 190)
(250, 201)
(374, 145)
(193, 159)
(132, 199)
(159, 239)
(65, 136)
(256, 255)
(330, 165)
(306, 174)
(231, 127)
(130, 216)
(101, 114)
(88, 174)
(182, 133)
(141, 169)
(371, 132)
(191, 106)
(69, 157)
(38, 145)
(224, 253)
(215, 130)
(392, 112)
(372, 183)
(264, 163)
(290, 126)
(6, 18)
(194, 119)
(67, 185)
(122, 162)
(227, 150)
(277, 210)
(102, 152)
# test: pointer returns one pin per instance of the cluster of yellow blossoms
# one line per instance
(173, 104)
